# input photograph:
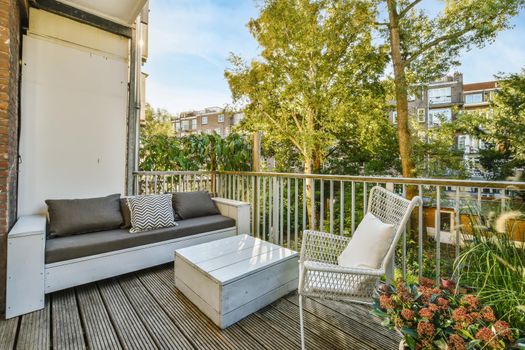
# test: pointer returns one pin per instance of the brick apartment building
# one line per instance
(209, 120)
(441, 100)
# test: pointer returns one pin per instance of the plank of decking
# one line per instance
(99, 330)
(200, 331)
(34, 333)
(239, 338)
(8, 332)
(265, 334)
(334, 336)
(160, 326)
(132, 332)
(67, 328)
(370, 336)
(291, 329)
(355, 311)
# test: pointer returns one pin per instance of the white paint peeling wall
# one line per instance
(74, 112)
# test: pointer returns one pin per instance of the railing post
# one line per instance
(275, 213)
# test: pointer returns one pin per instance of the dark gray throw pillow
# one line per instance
(189, 205)
(74, 216)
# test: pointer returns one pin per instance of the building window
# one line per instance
(394, 117)
(194, 124)
(218, 131)
(462, 140)
(440, 95)
(185, 125)
(473, 98)
(220, 118)
(421, 115)
(435, 116)
(177, 126)
(204, 120)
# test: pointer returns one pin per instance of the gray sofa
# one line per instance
(38, 264)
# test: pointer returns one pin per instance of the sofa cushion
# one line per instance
(74, 216)
(66, 248)
(151, 212)
(189, 205)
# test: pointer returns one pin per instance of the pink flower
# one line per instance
(425, 328)
(386, 302)
(408, 314)
(426, 313)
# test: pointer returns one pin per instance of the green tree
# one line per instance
(424, 46)
(502, 129)
(159, 149)
(435, 150)
(318, 72)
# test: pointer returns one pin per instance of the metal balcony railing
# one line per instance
(285, 204)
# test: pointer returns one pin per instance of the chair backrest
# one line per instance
(392, 209)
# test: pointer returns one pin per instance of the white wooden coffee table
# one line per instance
(230, 278)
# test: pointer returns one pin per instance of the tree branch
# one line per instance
(409, 7)
(279, 126)
(437, 41)
(386, 24)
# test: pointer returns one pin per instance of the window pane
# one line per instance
(473, 98)
(440, 95)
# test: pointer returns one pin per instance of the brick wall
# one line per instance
(9, 111)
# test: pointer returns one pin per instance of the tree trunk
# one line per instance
(308, 167)
(401, 87)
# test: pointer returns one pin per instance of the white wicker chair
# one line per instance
(320, 276)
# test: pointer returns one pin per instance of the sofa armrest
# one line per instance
(25, 265)
(237, 210)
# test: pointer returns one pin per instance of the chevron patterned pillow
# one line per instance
(150, 212)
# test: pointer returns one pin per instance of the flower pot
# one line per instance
(403, 345)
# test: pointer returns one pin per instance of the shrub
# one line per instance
(494, 266)
(435, 318)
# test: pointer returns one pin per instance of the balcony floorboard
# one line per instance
(144, 310)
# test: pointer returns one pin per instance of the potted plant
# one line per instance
(429, 317)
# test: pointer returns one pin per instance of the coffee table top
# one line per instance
(229, 259)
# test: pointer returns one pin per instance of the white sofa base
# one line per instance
(29, 278)
(74, 272)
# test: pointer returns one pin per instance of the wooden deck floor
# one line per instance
(143, 310)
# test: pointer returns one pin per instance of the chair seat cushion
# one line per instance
(369, 244)
(72, 247)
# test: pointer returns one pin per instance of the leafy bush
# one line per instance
(435, 318)
(161, 152)
(494, 266)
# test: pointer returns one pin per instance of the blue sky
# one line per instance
(190, 41)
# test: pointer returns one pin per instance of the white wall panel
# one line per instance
(73, 126)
